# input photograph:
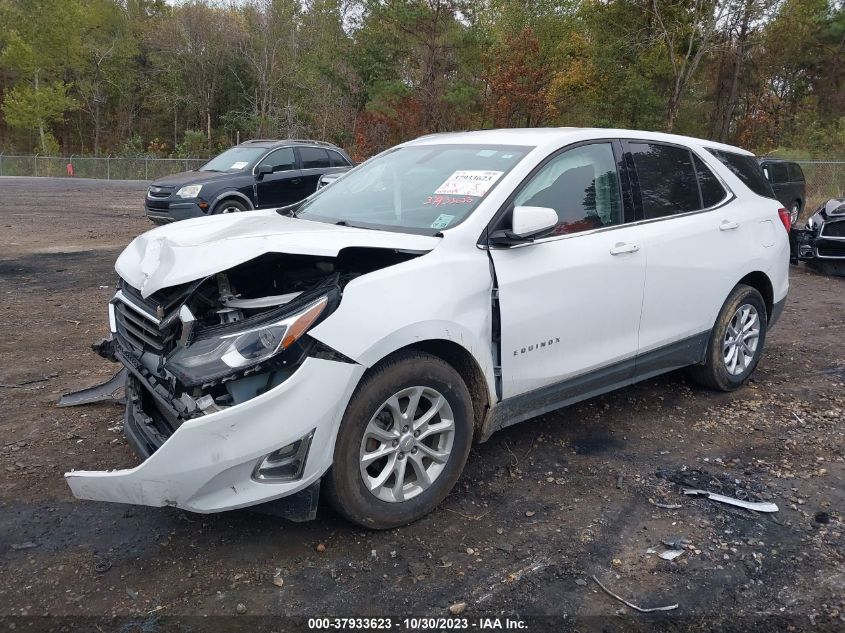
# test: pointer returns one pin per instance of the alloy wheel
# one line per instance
(741, 338)
(407, 444)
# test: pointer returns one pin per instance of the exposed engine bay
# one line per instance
(204, 346)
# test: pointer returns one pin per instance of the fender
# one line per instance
(231, 193)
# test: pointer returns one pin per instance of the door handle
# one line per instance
(622, 247)
(728, 225)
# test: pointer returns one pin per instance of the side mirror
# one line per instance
(263, 170)
(533, 222)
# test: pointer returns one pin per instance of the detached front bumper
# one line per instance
(207, 464)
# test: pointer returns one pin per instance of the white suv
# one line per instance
(446, 288)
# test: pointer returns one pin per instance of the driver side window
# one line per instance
(581, 185)
(280, 160)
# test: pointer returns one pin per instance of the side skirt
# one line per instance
(689, 351)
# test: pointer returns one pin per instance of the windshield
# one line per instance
(234, 159)
(421, 188)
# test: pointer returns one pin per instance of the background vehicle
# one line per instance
(257, 174)
(787, 180)
(445, 289)
(821, 243)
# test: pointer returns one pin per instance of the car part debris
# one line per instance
(671, 554)
(113, 390)
(670, 607)
(20, 385)
(676, 542)
(758, 506)
(666, 506)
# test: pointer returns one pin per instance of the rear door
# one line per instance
(315, 162)
(284, 185)
(569, 304)
(695, 242)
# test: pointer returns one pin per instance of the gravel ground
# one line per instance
(542, 507)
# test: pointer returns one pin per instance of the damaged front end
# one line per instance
(229, 401)
(821, 243)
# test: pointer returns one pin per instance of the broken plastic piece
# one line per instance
(112, 390)
(759, 506)
(671, 554)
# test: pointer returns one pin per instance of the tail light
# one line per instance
(786, 219)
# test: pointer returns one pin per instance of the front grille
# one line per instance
(140, 332)
(831, 249)
(160, 192)
(833, 229)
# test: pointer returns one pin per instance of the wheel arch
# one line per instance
(230, 195)
(760, 281)
(462, 361)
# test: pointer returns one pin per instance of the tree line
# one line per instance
(144, 77)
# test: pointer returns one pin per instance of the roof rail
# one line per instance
(311, 141)
(261, 140)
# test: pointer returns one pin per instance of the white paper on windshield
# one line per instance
(469, 182)
(239, 165)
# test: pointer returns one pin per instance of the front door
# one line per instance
(570, 303)
(284, 185)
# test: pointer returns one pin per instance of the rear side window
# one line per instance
(668, 183)
(778, 174)
(712, 191)
(314, 157)
(337, 159)
(747, 170)
(795, 173)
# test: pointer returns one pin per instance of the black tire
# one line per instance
(714, 373)
(344, 483)
(228, 206)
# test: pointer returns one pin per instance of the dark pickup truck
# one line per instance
(258, 174)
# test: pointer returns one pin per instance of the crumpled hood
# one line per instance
(192, 249)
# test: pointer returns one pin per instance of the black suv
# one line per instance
(787, 181)
(257, 174)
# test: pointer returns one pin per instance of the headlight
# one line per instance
(189, 191)
(212, 357)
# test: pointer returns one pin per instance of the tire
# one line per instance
(724, 369)
(794, 212)
(398, 381)
(229, 206)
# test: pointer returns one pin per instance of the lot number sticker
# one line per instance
(469, 182)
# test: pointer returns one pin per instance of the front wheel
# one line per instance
(736, 341)
(403, 442)
(229, 206)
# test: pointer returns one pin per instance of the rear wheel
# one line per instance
(736, 341)
(228, 206)
(403, 442)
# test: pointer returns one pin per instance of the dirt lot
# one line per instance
(541, 508)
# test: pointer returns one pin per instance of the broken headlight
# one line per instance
(231, 349)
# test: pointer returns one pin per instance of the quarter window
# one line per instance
(778, 172)
(337, 159)
(314, 158)
(795, 173)
(581, 185)
(747, 169)
(712, 191)
(280, 160)
(668, 182)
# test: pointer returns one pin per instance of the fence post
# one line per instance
(108, 167)
(1, 163)
(146, 160)
(35, 164)
(186, 164)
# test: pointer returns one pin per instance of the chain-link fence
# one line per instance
(825, 180)
(108, 167)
